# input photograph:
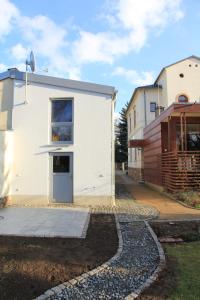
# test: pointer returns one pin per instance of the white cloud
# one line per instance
(134, 77)
(49, 42)
(19, 52)
(131, 23)
(8, 15)
(3, 67)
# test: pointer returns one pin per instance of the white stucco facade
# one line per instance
(92, 146)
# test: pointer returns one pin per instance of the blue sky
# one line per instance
(123, 43)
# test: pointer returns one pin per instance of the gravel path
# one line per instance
(138, 260)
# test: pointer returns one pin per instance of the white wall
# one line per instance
(6, 160)
(174, 85)
(93, 135)
(137, 133)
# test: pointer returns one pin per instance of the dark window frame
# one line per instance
(61, 159)
(155, 104)
(57, 124)
(183, 101)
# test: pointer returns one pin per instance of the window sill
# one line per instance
(59, 144)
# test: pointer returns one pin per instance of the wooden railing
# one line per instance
(181, 170)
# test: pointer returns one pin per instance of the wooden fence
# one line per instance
(181, 170)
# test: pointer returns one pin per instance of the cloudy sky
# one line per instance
(123, 43)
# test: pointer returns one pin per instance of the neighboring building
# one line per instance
(164, 128)
(58, 144)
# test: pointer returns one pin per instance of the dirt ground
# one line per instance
(163, 287)
(187, 230)
(30, 266)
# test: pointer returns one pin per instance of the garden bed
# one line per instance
(189, 199)
(186, 230)
(30, 266)
(180, 277)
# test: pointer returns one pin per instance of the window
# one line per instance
(152, 106)
(61, 121)
(60, 164)
(192, 137)
(182, 99)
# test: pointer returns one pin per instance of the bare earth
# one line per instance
(30, 266)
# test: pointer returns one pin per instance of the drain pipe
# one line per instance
(145, 108)
(113, 101)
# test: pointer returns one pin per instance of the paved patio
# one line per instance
(40, 222)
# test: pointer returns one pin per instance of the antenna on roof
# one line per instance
(29, 63)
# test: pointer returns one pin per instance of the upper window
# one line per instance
(61, 120)
(182, 99)
(152, 106)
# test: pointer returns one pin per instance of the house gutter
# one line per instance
(113, 102)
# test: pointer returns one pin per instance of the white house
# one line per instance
(176, 83)
(56, 140)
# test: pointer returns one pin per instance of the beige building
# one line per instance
(176, 83)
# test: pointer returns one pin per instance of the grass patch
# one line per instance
(180, 279)
(188, 270)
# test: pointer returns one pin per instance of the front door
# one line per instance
(62, 173)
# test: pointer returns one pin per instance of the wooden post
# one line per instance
(182, 133)
(185, 131)
(169, 131)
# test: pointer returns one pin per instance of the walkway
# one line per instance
(167, 208)
(135, 262)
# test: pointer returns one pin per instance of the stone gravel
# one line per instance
(137, 262)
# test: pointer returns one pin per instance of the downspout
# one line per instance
(113, 101)
(145, 108)
(158, 101)
(145, 124)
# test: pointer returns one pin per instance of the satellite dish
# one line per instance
(31, 62)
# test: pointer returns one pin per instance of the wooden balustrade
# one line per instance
(181, 170)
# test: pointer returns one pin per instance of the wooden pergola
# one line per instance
(167, 160)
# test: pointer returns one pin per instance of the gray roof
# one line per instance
(59, 82)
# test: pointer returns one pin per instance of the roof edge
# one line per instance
(177, 62)
(151, 86)
(59, 82)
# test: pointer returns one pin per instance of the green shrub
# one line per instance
(191, 198)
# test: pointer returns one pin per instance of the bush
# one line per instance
(191, 198)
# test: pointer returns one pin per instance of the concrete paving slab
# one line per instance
(40, 222)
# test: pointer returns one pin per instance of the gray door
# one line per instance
(62, 181)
